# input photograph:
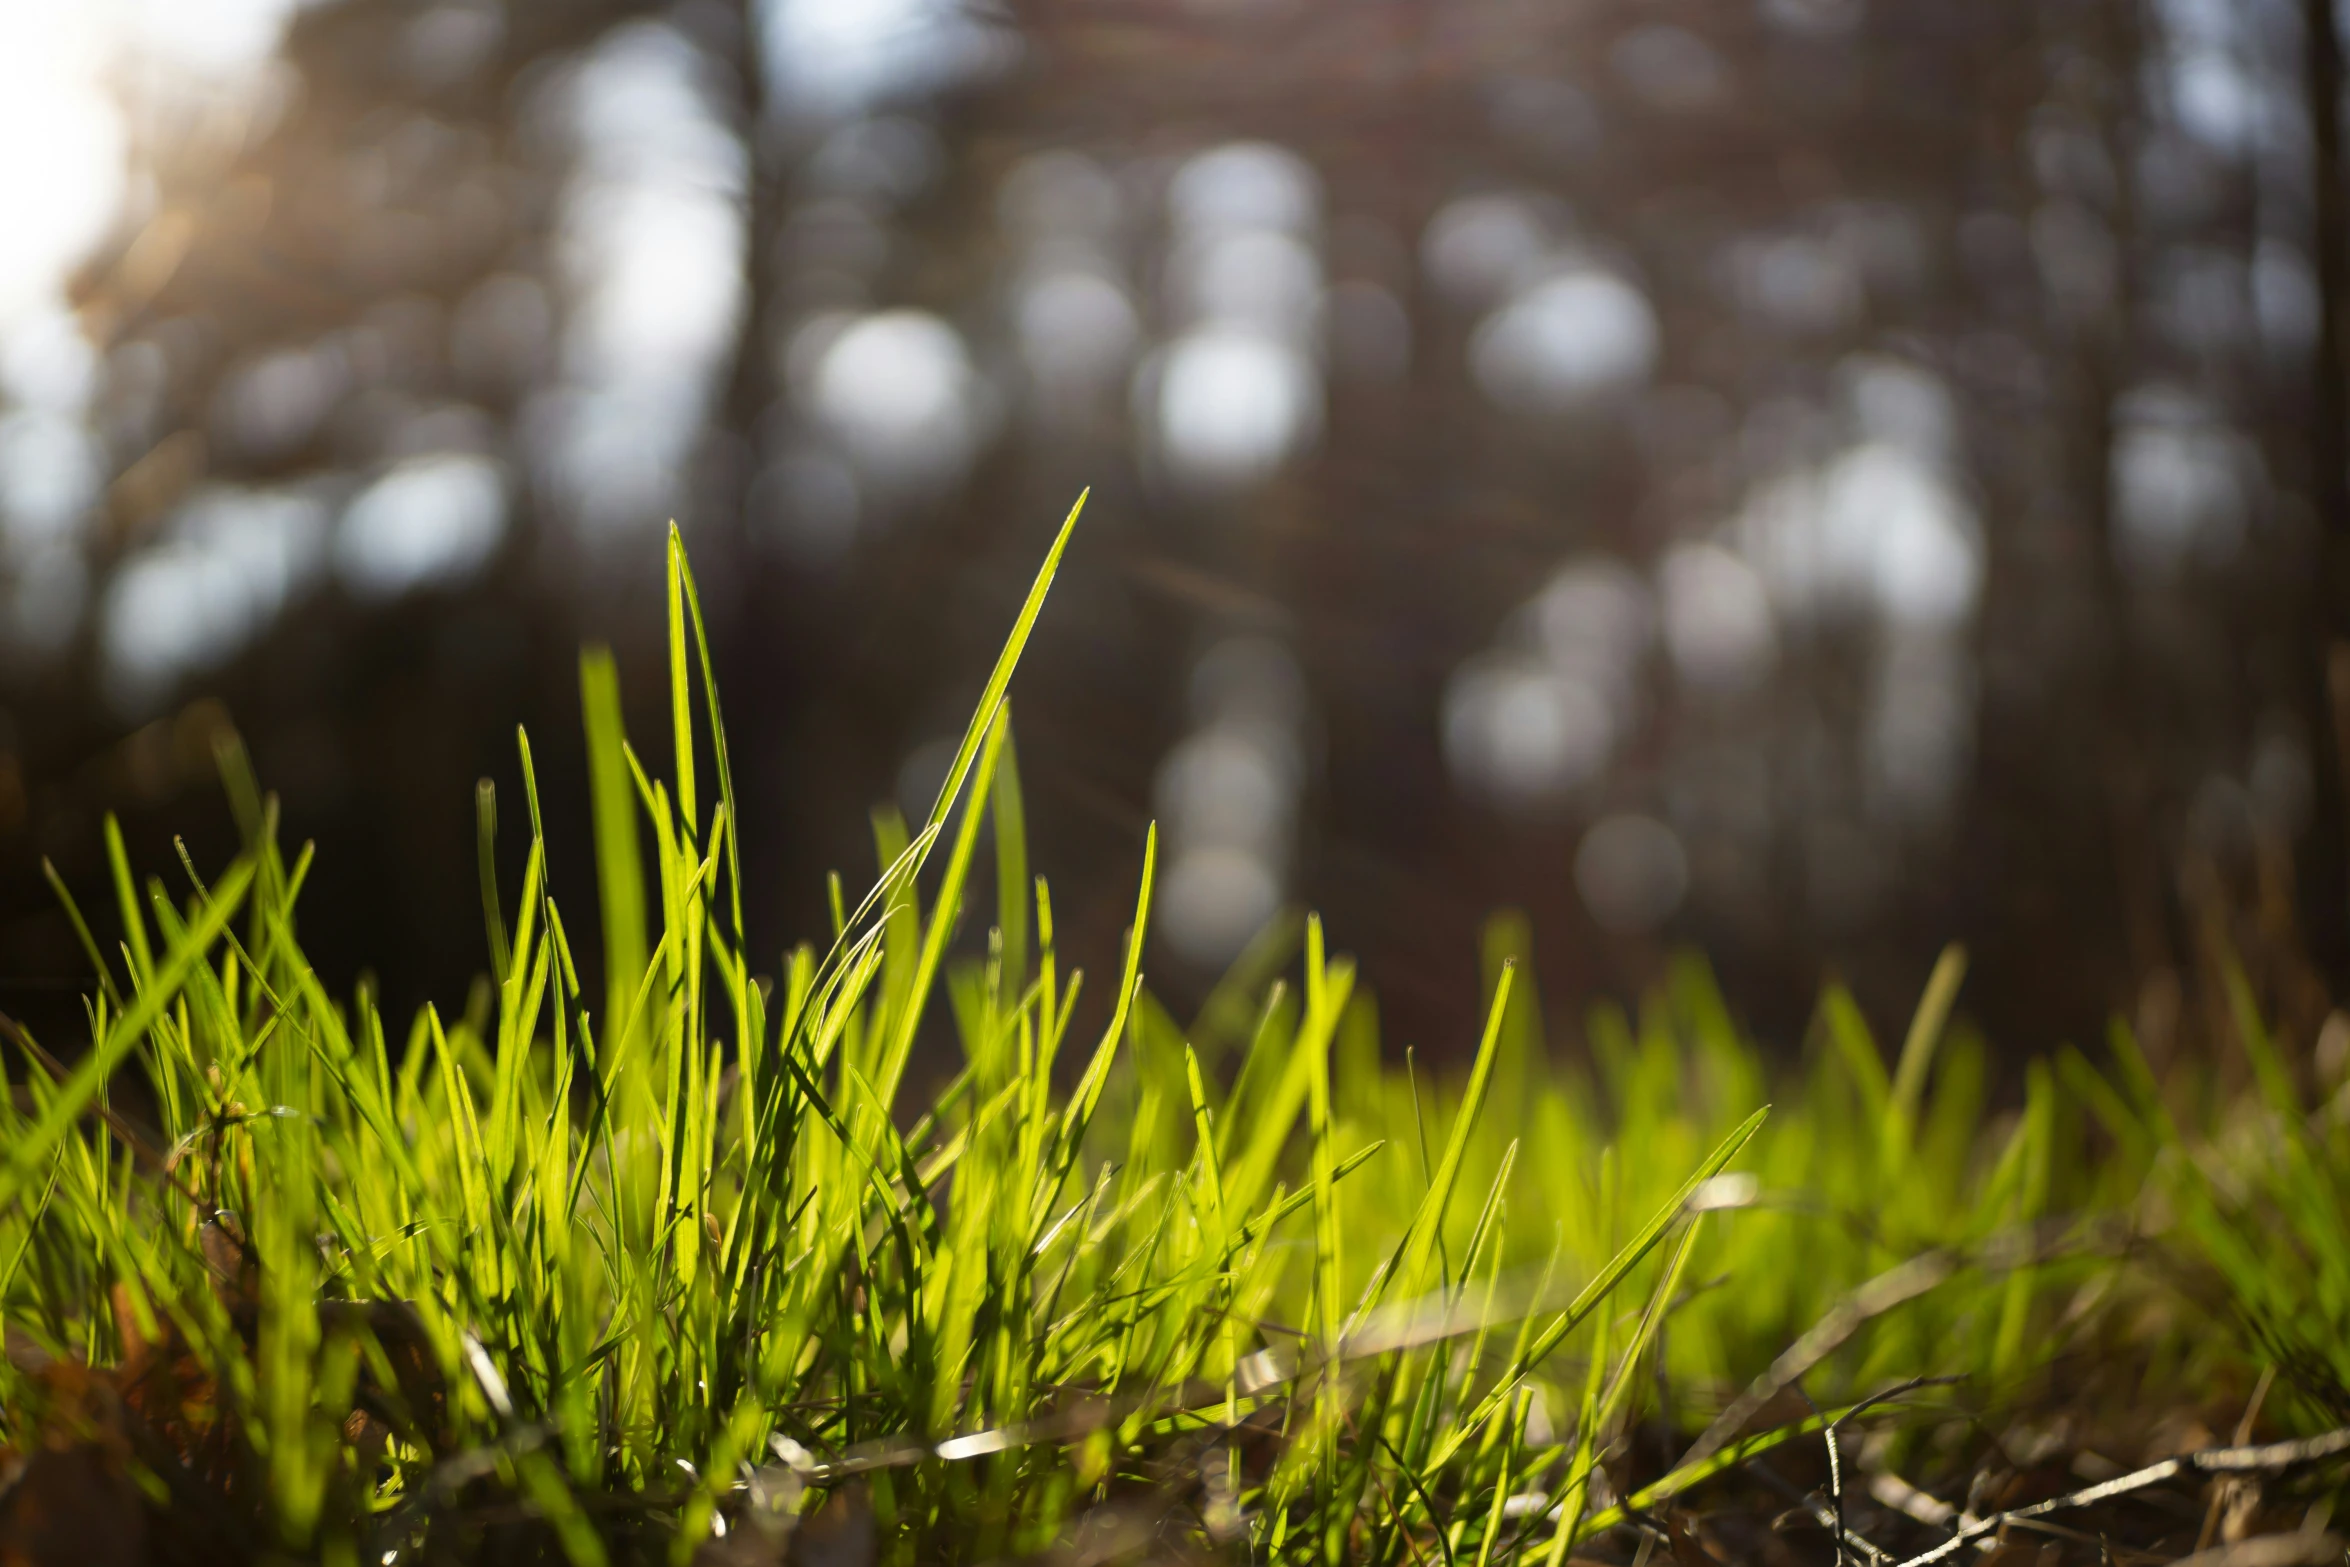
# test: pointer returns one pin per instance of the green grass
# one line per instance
(601, 1277)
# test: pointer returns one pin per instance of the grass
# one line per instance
(675, 1271)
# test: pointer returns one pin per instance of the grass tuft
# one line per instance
(676, 1273)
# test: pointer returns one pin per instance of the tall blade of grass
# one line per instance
(134, 929)
(999, 679)
(903, 868)
(1412, 1275)
(1280, 1069)
(485, 838)
(943, 918)
(1010, 811)
(1087, 1095)
(693, 606)
(81, 930)
(1908, 1091)
(1326, 999)
(1203, 1122)
(681, 717)
(619, 862)
(1856, 1048)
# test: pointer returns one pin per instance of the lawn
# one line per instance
(680, 1270)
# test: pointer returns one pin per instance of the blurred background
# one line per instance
(1806, 480)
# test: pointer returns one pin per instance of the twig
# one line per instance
(1896, 1286)
(1890, 1490)
(2260, 1459)
(1835, 1481)
(1879, 1295)
(2225, 1492)
(2270, 1550)
(1817, 1511)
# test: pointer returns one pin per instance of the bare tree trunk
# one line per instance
(730, 527)
(2322, 83)
(2103, 350)
(2321, 55)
